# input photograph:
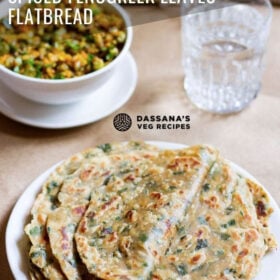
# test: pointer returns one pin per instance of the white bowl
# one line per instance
(67, 90)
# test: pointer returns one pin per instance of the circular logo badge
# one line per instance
(122, 122)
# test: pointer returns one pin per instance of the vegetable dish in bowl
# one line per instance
(61, 63)
(60, 51)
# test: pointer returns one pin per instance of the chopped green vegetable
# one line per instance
(198, 268)
(51, 186)
(107, 180)
(90, 58)
(178, 172)
(122, 190)
(182, 269)
(38, 71)
(137, 145)
(229, 210)
(72, 262)
(59, 76)
(125, 171)
(201, 243)
(143, 237)
(96, 11)
(37, 254)
(206, 187)
(229, 224)
(106, 148)
(225, 236)
(232, 222)
(54, 200)
(73, 45)
(229, 271)
(219, 253)
(167, 251)
(35, 231)
(4, 48)
(30, 61)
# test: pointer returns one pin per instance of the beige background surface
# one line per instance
(250, 138)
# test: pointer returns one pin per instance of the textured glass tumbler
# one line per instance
(223, 53)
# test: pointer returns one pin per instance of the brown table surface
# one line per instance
(250, 138)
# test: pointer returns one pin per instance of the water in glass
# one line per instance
(222, 57)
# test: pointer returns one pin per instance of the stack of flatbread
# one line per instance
(130, 211)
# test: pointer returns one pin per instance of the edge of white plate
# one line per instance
(22, 208)
(25, 201)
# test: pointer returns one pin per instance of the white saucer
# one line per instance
(108, 99)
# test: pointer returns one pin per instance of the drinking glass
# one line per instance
(223, 48)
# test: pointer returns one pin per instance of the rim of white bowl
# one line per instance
(124, 50)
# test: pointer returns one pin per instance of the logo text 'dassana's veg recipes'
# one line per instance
(123, 122)
(163, 122)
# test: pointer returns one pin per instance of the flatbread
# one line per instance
(48, 200)
(221, 237)
(125, 230)
(128, 211)
(74, 197)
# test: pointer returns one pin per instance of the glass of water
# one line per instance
(223, 47)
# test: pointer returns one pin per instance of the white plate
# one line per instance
(17, 242)
(109, 98)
